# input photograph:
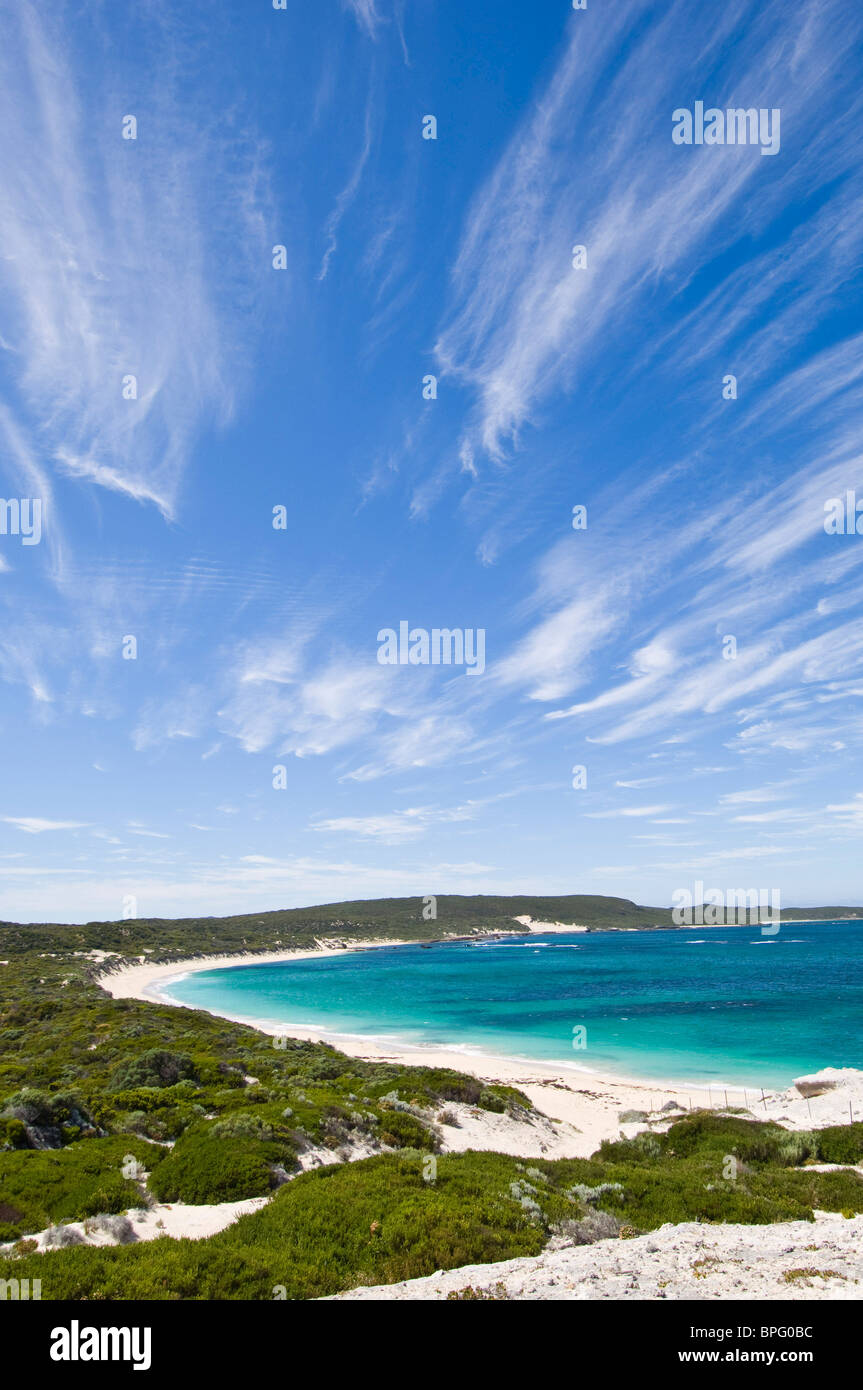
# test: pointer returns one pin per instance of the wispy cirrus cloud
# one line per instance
(753, 795)
(257, 646)
(38, 825)
(396, 826)
(409, 824)
(347, 195)
(118, 283)
(523, 323)
(366, 13)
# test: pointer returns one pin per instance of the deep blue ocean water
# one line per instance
(707, 1004)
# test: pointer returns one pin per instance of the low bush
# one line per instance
(401, 1131)
(203, 1167)
(841, 1144)
(42, 1187)
(154, 1068)
(379, 1220)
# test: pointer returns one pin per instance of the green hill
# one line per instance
(165, 939)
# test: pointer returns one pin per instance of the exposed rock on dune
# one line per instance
(832, 1096)
(828, 1079)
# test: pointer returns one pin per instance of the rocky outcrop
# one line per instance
(819, 1082)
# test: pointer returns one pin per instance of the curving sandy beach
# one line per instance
(586, 1102)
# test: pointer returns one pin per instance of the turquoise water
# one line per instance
(716, 1004)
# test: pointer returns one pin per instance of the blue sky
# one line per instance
(152, 779)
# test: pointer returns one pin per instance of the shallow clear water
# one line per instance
(721, 1004)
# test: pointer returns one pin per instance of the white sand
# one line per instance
(175, 1219)
(178, 1219)
(137, 981)
(533, 926)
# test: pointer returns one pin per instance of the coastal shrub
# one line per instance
(242, 1125)
(334, 1228)
(800, 1146)
(61, 1237)
(42, 1109)
(13, 1134)
(321, 1068)
(596, 1225)
(36, 1119)
(440, 1083)
(489, 1100)
(840, 1144)
(644, 1148)
(118, 1229)
(695, 1187)
(703, 1132)
(837, 1191)
(151, 1097)
(162, 1125)
(391, 1101)
(30, 1106)
(47, 1186)
(203, 1167)
(592, 1195)
(401, 1131)
(337, 1129)
(211, 1072)
(525, 1194)
(154, 1068)
(378, 1221)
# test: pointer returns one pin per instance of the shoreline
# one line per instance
(587, 1100)
(133, 981)
(149, 984)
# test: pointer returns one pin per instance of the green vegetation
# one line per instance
(221, 1112)
(39, 1188)
(841, 1144)
(793, 1276)
(214, 1164)
(214, 1111)
(152, 1070)
(396, 918)
(380, 1220)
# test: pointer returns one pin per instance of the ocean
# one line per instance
(701, 1005)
